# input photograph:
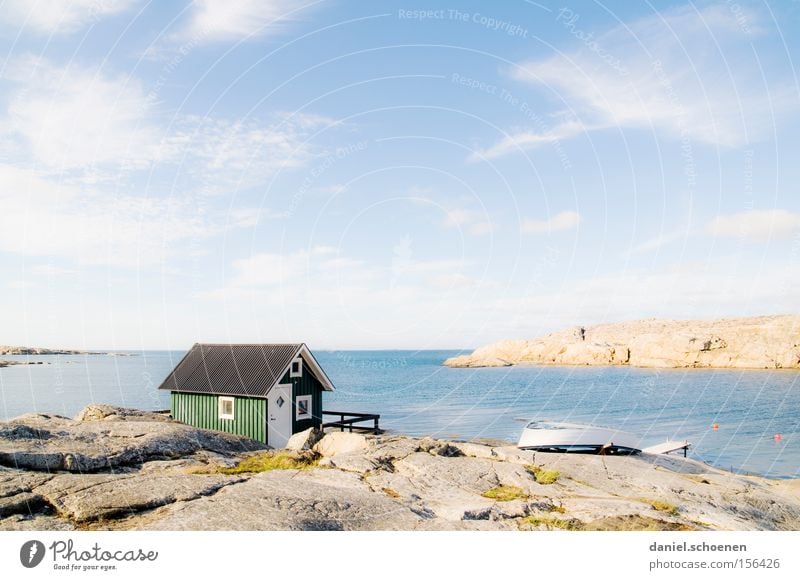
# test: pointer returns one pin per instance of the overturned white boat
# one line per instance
(577, 438)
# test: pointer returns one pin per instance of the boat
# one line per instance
(576, 438)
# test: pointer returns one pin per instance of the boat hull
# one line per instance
(568, 438)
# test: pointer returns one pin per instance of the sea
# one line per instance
(756, 412)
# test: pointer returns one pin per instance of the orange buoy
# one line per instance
(715, 426)
(777, 437)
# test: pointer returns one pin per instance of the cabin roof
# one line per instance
(249, 370)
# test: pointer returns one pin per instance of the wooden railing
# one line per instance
(349, 420)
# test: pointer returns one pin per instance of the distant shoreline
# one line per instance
(9, 363)
(6, 350)
(755, 343)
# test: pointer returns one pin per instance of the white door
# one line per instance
(279, 415)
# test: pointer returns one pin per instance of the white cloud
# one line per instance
(415, 267)
(298, 273)
(331, 189)
(656, 242)
(58, 16)
(71, 118)
(50, 270)
(530, 139)
(92, 227)
(323, 250)
(267, 269)
(687, 73)
(459, 217)
(481, 228)
(85, 126)
(340, 263)
(290, 274)
(20, 284)
(447, 304)
(216, 20)
(688, 290)
(334, 295)
(453, 281)
(225, 154)
(565, 220)
(72, 134)
(759, 225)
(475, 222)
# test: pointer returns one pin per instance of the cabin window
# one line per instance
(225, 407)
(296, 368)
(303, 407)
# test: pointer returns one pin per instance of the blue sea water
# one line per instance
(416, 395)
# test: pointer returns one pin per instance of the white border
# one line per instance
(299, 373)
(224, 416)
(310, 414)
(621, 555)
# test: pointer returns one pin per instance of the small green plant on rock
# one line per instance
(552, 522)
(663, 506)
(269, 462)
(505, 493)
(543, 476)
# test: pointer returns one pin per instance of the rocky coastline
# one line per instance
(9, 363)
(121, 469)
(30, 350)
(6, 350)
(764, 342)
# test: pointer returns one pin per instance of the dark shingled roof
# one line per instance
(238, 369)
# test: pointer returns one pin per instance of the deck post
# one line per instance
(347, 422)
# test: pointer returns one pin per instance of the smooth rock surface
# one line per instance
(304, 440)
(290, 500)
(99, 441)
(338, 442)
(386, 482)
(88, 497)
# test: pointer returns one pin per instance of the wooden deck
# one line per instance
(348, 420)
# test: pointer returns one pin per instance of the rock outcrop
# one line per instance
(9, 363)
(106, 438)
(765, 342)
(29, 350)
(304, 440)
(148, 472)
(340, 442)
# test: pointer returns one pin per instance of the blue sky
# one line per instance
(392, 174)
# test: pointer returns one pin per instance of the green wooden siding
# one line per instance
(250, 414)
(305, 385)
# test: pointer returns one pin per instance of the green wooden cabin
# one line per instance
(263, 391)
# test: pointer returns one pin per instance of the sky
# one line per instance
(392, 174)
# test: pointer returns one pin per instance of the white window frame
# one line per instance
(299, 373)
(220, 408)
(310, 414)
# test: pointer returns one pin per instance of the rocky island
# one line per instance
(8, 363)
(34, 351)
(764, 342)
(120, 469)
(6, 350)
(30, 350)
